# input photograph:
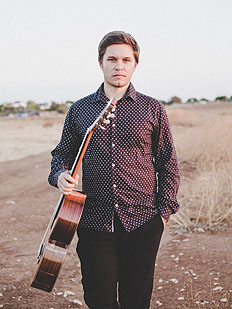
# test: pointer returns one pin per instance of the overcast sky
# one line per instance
(49, 48)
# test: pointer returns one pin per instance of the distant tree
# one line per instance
(53, 106)
(32, 106)
(60, 108)
(222, 98)
(203, 99)
(8, 108)
(192, 100)
(230, 99)
(175, 99)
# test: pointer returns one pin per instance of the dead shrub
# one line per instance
(205, 155)
(207, 198)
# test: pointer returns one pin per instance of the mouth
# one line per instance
(119, 75)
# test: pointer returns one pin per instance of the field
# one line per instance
(194, 263)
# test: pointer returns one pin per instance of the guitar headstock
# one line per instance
(105, 115)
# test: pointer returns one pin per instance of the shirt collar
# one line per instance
(100, 96)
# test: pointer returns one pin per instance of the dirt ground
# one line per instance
(193, 270)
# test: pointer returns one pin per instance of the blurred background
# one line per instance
(48, 60)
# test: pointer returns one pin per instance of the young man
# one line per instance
(130, 176)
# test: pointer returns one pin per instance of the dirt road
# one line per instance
(193, 270)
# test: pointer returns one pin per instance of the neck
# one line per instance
(115, 92)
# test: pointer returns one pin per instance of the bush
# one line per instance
(175, 99)
(222, 98)
(60, 108)
(192, 100)
(32, 106)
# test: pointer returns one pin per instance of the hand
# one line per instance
(66, 182)
(164, 221)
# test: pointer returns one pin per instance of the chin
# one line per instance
(119, 84)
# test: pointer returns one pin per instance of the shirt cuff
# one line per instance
(166, 209)
(165, 213)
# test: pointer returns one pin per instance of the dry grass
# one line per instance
(200, 299)
(204, 151)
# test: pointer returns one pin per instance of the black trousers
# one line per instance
(118, 268)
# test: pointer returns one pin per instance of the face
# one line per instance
(118, 65)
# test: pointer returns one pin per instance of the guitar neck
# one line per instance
(88, 136)
(81, 152)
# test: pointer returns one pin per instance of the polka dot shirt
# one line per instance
(129, 168)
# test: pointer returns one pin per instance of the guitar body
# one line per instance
(57, 240)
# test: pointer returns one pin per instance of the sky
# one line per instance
(49, 48)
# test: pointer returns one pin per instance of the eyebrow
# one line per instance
(118, 57)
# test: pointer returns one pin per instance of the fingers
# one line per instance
(77, 178)
(66, 182)
(164, 221)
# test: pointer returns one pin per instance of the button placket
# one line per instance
(113, 156)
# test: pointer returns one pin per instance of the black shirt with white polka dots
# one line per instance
(129, 168)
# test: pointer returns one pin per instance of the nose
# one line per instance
(119, 65)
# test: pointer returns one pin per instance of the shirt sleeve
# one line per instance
(166, 166)
(64, 153)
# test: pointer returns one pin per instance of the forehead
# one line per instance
(119, 50)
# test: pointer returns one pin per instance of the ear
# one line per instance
(135, 66)
(100, 64)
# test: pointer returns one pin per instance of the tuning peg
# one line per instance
(107, 121)
(110, 115)
(102, 127)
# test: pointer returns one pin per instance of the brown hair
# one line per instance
(118, 37)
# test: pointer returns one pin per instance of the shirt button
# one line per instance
(113, 165)
(113, 125)
(113, 109)
(114, 185)
(113, 145)
(116, 205)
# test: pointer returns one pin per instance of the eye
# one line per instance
(111, 59)
(126, 60)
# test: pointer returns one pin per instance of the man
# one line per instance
(130, 176)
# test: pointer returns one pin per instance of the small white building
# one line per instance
(44, 106)
(18, 104)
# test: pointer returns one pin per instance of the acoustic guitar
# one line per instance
(65, 219)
